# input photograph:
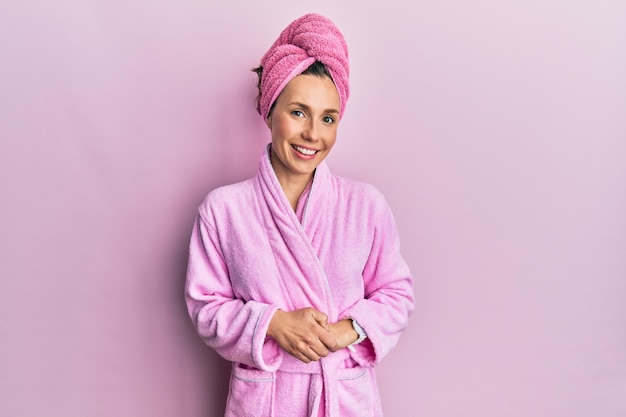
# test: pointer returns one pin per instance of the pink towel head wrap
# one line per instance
(307, 39)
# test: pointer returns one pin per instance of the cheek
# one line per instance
(281, 130)
(332, 138)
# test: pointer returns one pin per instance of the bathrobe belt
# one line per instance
(324, 379)
(295, 366)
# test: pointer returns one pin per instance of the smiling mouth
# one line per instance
(308, 152)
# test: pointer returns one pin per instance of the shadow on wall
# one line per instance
(237, 133)
(210, 372)
(235, 136)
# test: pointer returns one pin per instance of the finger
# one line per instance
(320, 318)
(329, 341)
(320, 350)
(308, 355)
(302, 358)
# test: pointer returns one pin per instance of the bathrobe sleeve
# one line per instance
(384, 311)
(234, 328)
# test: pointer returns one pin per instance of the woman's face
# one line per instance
(304, 126)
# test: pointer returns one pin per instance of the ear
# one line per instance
(268, 121)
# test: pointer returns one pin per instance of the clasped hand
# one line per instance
(307, 335)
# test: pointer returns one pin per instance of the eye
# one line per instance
(297, 113)
(328, 119)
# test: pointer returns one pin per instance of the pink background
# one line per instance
(496, 131)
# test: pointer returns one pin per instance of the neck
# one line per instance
(292, 184)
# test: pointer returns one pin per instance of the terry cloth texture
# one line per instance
(251, 254)
(307, 39)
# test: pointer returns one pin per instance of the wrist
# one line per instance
(361, 335)
(273, 323)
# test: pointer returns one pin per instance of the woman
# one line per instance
(295, 275)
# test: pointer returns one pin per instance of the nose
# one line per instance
(311, 131)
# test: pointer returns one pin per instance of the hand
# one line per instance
(344, 333)
(303, 333)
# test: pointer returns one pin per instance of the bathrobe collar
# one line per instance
(287, 231)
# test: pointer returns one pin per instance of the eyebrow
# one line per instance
(304, 106)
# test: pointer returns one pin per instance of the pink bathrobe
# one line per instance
(251, 254)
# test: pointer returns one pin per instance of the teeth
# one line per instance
(304, 151)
